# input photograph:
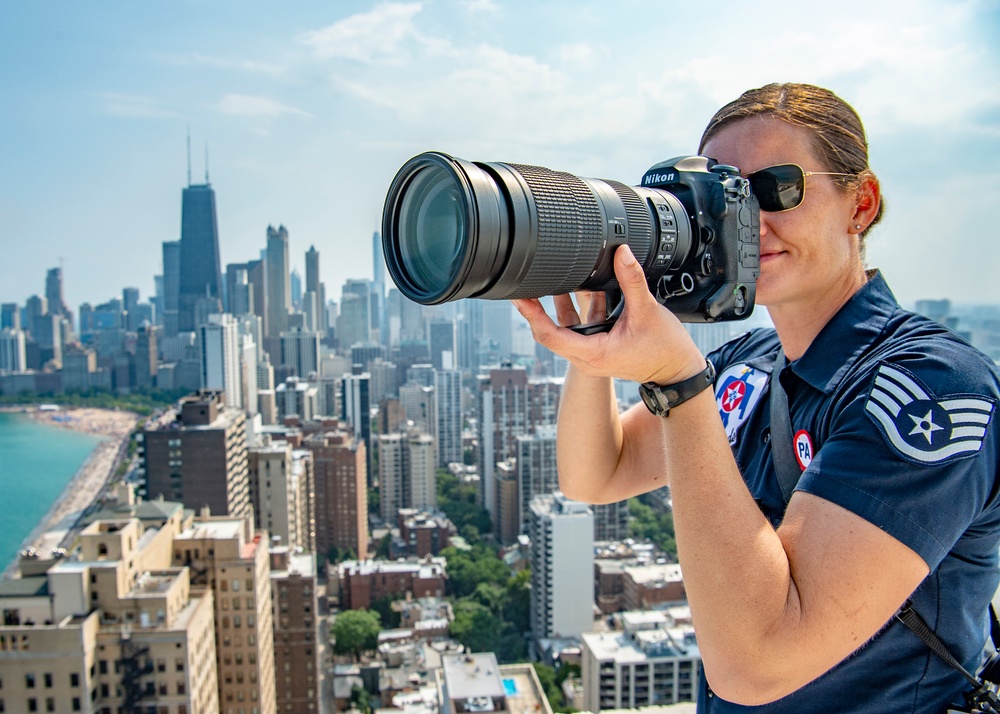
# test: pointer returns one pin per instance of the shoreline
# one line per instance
(90, 479)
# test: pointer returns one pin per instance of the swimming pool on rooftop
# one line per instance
(509, 687)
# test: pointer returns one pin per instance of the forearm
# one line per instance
(736, 572)
(589, 437)
(604, 456)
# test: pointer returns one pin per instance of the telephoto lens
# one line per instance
(455, 229)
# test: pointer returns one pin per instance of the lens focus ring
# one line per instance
(570, 233)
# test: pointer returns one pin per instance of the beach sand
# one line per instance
(90, 479)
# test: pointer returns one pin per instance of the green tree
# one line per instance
(361, 699)
(468, 568)
(383, 606)
(646, 523)
(458, 501)
(551, 682)
(355, 632)
(476, 627)
(517, 603)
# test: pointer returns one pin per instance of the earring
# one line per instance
(857, 226)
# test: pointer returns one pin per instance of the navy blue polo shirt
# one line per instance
(893, 418)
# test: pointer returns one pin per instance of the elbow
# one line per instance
(574, 489)
(752, 682)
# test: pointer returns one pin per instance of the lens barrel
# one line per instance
(453, 229)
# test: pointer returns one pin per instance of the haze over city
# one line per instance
(307, 114)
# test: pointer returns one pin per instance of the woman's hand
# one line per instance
(646, 344)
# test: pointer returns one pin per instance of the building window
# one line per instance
(29, 680)
(74, 679)
(47, 677)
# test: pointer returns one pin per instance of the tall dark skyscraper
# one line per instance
(201, 269)
(54, 293)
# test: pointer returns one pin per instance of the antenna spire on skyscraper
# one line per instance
(206, 164)
(189, 154)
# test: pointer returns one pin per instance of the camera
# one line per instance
(455, 229)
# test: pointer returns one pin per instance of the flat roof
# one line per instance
(34, 586)
(472, 675)
(218, 530)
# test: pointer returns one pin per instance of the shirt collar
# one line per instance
(847, 335)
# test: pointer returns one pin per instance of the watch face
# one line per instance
(651, 399)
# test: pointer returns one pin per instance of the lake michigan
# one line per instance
(36, 463)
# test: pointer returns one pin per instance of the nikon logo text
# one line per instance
(659, 178)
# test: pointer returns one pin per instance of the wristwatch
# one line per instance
(661, 399)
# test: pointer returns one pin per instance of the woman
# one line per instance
(897, 498)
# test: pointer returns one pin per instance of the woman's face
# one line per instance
(807, 255)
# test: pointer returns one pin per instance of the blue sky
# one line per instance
(309, 108)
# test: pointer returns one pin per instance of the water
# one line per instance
(36, 463)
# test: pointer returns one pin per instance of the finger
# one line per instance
(566, 312)
(583, 301)
(597, 311)
(631, 279)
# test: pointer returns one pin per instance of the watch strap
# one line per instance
(660, 399)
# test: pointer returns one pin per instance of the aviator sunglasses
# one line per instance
(782, 187)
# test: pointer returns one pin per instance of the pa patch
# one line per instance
(738, 390)
(924, 429)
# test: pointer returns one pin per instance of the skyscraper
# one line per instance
(54, 293)
(448, 392)
(341, 477)
(220, 357)
(171, 287)
(279, 289)
(562, 566)
(200, 267)
(200, 459)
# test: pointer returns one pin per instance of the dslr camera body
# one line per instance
(453, 229)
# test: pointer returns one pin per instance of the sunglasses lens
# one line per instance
(778, 188)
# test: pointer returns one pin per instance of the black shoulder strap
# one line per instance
(782, 455)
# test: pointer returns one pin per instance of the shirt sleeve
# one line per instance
(912, 448)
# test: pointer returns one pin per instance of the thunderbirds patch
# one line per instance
(738, 391)
(922, 428)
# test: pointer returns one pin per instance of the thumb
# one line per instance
(630, 275)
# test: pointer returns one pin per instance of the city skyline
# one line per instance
(301, 119)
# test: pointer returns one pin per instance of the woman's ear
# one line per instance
(868, 198)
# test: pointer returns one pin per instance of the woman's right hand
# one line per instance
(646, 344)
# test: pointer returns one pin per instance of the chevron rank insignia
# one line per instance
(921, 428)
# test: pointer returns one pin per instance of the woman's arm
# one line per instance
(773, 610)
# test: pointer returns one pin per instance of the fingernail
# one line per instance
(627, 256)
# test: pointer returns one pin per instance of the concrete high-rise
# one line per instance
(355, 407)
(220, 553)
(220, 357)
(406, 469)
(296, 651)
(448, 395)
(171, 288)
(300, 352)
(340, 467)
(13, 357)
(279, 289)
(562, 567)
(200, 267)
(199, 459)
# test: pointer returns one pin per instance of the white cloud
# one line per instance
(367, 37)
(134, 106)
(250, 106)
(242, 65)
